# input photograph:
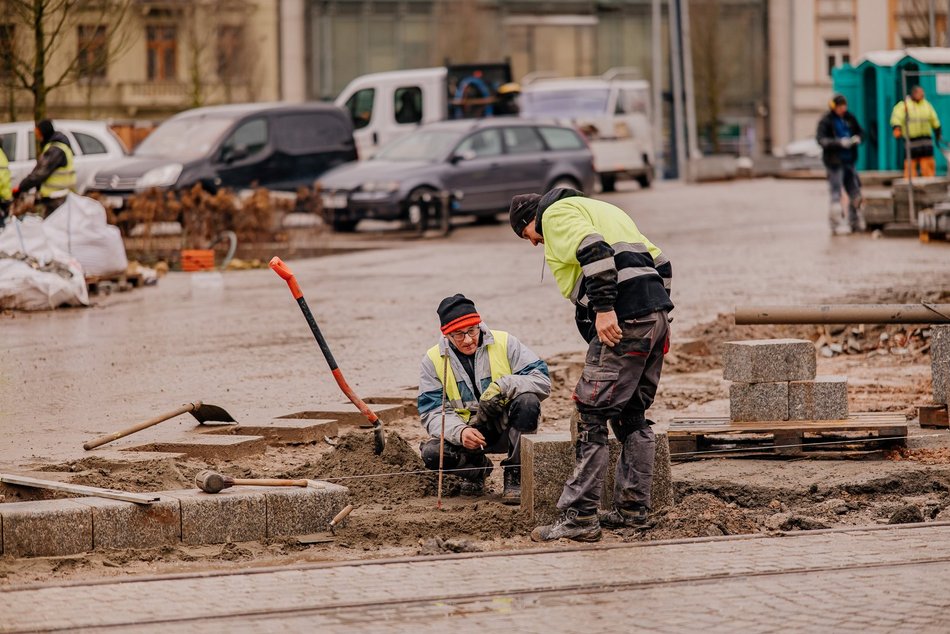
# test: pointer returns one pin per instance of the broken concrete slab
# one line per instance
(46, 528)
(233, 515)
(299, 510)
(940, 362)
(282, 431)
(119, 524)
(758, 401)
(347, 414)
(824, 398)
(547, 461)
(768, 360)
(209, 447)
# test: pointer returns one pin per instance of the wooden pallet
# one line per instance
(119, 282)
(859, 436)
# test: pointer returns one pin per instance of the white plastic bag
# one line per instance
(79, 227)
(34, 273)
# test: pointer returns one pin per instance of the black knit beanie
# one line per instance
(457, 312)
(524, 208)
(46, 130)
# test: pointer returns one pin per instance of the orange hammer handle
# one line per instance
(270, 482)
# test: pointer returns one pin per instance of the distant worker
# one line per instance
(55, 172)
(916, 120)
(6, 193)
(408, 110)
(839, 135)
(507, 103)
(619, 282)
(494, 386)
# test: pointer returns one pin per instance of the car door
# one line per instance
(307, 144)
(527, 163)
(91, 154)
(361, 106)
(242, 160)
(476, 169)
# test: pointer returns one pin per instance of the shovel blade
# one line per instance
(205, 412)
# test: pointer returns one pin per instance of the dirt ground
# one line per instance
(245, 348)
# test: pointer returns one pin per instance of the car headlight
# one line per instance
(164, 176)
(382, 187)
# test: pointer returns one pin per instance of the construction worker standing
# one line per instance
(620, 284)
(6, 193)
(493, 386)
(916, 119)
(55, 173)
(839, 135)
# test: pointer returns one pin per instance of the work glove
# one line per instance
(855, 140)
(937, 134)
(897, 133)
(845, 142)
(16, 192)
(491, 409)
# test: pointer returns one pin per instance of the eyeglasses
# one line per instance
(459, 335)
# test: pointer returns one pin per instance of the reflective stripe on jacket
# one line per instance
(63, 179)
(922, 119)
(6, 192)
(500, 357)
(614, 253)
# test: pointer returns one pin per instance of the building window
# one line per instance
(7, 35)
(229, 53)
(837, 52)
(92, 56)
(162, 45)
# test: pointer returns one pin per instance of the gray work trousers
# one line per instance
(616, 388)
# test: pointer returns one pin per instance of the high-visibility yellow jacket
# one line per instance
(915, 119)
(6, 192)
(63, 178)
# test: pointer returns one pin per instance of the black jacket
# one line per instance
(50, 161)
(831, 144)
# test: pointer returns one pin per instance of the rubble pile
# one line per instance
(871, 340)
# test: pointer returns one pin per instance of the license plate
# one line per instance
(334, 201)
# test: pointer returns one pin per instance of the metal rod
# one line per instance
(79, 489)
(686, 49)
(922, 313)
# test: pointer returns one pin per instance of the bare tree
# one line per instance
(41, 28)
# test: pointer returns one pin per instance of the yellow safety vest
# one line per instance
(915, 119)
(6, 192)
(497, 361)
(63, 178)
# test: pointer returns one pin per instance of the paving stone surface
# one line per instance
(768, 360)
(940, 363)
(46, 528)
(233, 515)
(758, 401)
(209, 446)
(346, 414)
(825, 398)
(118, 524)
(860, 580)
(282, 431)
(547, 461)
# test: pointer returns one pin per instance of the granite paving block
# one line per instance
(768, 360)
(347, 414)
(940, 363)
(209, 447)
(117, 524)
(233, 515)
(282, 431)
(299, 510)
(758, 401)
(825, 398)
(547, 461)
(46, 528)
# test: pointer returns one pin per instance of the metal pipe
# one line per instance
(922, 313)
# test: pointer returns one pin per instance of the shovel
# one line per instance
(326, 536)
(201, 411)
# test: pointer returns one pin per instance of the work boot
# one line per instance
(472, 488)
(512, 493)
(624, 518)
(580, 528)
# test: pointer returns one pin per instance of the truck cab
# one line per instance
(385, 106)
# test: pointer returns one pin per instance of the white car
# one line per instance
(94, 145)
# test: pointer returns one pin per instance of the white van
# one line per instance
(612, 112)
(385, 106)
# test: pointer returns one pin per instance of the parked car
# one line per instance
(94, 144)
(277, 146)
(612, 112)
(483, 162)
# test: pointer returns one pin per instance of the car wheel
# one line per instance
(646, 179)
(564, 182)
(608, 182)
(420, 209)
(345, 226)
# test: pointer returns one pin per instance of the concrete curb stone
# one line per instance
(46, 528)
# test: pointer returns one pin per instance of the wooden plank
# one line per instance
(79, 489)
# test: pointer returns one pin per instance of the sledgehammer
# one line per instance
(213, 482)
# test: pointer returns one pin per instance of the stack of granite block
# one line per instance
(774, 380)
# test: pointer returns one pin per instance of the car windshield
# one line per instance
(184, 139)
(424, 145)
(568, 102)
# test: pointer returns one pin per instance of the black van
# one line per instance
(277, 146)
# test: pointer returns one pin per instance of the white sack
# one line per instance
(79, 227)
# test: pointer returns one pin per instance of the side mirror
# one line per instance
(467, 155)
(238, 152)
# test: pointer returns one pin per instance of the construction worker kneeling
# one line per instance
(487, 387)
